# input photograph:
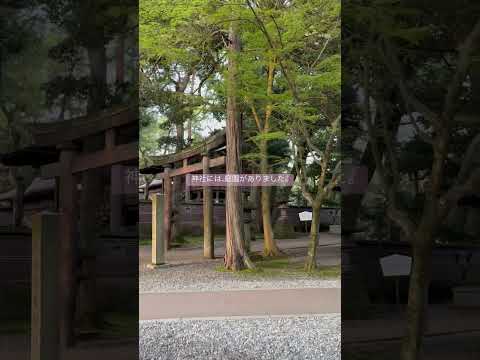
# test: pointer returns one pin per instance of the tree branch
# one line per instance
(399, 216)
(328, 151)
(320, 54)
(258, 122)
(263, 29)
(268, 110)
(301, 172)
(392, 62)
(464, 59)
(336, 178)
(467, 180)
(423, 135)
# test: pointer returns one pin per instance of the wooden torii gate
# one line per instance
(60, 150)
(170, 167)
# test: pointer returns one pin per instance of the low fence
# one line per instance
(116, 271)
(452, 265)
(189, 218)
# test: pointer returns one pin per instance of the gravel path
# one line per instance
(284, 338)
(204, 277)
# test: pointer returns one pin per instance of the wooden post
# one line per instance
(167, 191)
(208, 236)
(44, 314)
(116, 191)
(158, 240)
(86, 309)
(68, 207)
(18, 211)
(175, 202)
(187, 188)
(116, 185)
(110, 139)
(57, 194)
(247, 227)
(86, 316)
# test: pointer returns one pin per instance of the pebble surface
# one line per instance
(204, 277)
(272, 338)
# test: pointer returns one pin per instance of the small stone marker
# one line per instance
(283, 227)
(158, 241)
(396, 266)
(45, 276)
(305, 216)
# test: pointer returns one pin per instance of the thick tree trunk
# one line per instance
(177, 183)
(422, 251)
(311, 261)
(208, 235)
(269, 245)
(258, 205)
(417, 300)
(254, 201)
(236, 256)
(189, 120)
(180, 137)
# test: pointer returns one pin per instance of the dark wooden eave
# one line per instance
(213, 142)
(210, 144)
(50, 134)
(153, 169)
(35, 156)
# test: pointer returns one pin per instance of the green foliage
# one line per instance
(24, 44)
(183, 49)
(178, 55)
(412, 43)
(150, 134)
(21, 95)
(87, 27)
(282, 267)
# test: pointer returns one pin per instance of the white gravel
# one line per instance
(284, 338)
(204, 277)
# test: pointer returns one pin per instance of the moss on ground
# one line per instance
(145, 242)
(282, 266)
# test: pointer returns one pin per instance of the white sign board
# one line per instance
(305, 216)
(396, 265)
